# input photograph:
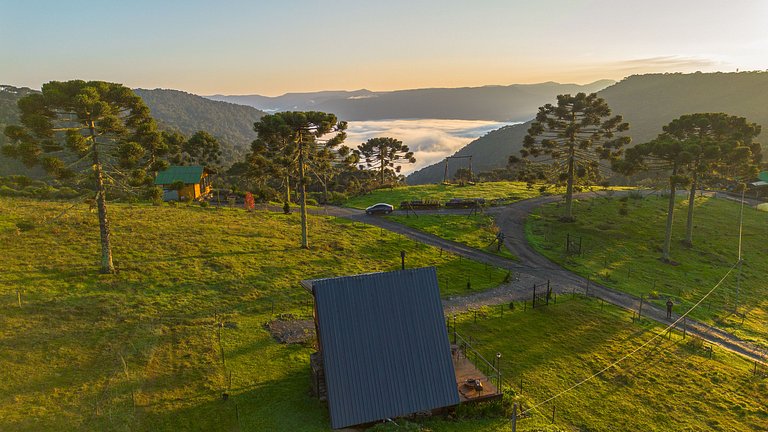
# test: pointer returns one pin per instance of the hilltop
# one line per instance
(647, 102)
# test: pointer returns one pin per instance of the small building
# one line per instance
(196, 182)
(383, 347)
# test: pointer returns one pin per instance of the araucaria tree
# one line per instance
(576, 134)
(385, 155)
(712, 146)
(96, 128)
(721, 148)
(288, 141)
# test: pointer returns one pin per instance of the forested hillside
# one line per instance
(647, 102)
(187, 113)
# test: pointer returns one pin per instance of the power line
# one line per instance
(631, 353)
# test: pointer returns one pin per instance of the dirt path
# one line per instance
(533, 268)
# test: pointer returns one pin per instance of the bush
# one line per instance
(9, 192)
(311, 201)
(337, 198)
(67, 193)
(635, 195)
(203, 204)
(25, 225)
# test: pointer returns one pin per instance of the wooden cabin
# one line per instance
(384, 350)
(196, 182)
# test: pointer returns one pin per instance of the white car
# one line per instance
(382, 208)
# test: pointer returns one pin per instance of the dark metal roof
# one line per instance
(384, 345)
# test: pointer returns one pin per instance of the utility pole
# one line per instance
(741, 225)
(302, 193)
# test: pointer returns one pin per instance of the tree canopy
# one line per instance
(289, 142)
(710, 147)
(385, 155)
(96, 128)
(574, 136)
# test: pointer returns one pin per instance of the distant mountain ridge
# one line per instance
(517, 102)
(647, 102)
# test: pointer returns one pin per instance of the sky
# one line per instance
(272, 47)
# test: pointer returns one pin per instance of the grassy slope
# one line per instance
(668, 385)
(508, 191)
(477, 231)
(622, 252)
(83, 348)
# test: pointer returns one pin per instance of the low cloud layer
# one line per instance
(431, 140)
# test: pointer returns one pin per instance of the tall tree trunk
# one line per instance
(287, 188)
(691, 202)
(670, 214)
(302, 196)
(381, 160)
(569, 187)
(101, 202)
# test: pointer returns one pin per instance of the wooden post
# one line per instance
(640, 312)
(514, 417)
(568, 243)
(454, 328)
(534, 296)
(685, 326)
(589, 279)
(553, 412)
(18, 295)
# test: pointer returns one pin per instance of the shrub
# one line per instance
(25, 225)
(203, 204)
(635, 195)
(311, 201)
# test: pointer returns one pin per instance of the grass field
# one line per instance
(477, 231)
(670, 385)
(153, 347)
(622, 251)
(504, 191)
(140, 350)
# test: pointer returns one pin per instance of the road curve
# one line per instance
(533, 268)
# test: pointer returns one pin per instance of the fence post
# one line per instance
(685, 326)
(514, 417)
(589, 279)
(553, 412)
(640, 312)
(534, 296)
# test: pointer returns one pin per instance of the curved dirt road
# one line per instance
(533, 268)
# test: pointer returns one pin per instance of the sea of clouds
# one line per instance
(431, 140)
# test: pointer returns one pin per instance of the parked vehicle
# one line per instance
(380, 208)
